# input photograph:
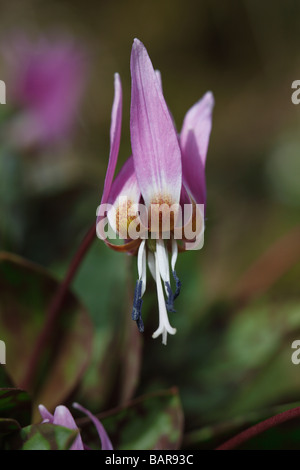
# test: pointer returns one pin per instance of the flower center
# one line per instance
(162, 215)
(124, 216)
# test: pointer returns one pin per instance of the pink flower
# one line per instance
(46, 83)
(165, 169)
(63, 417)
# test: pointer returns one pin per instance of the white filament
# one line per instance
(163, 257)
(151, 264)
(174, 254)
(164, 325)
(142, 265)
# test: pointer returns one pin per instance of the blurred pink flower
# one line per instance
(63, 417)
(46, 80)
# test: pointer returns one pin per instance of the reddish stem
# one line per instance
(259, 428)
(54, 309)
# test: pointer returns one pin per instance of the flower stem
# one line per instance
(54, 309)
(260, 428)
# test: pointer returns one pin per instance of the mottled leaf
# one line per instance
(236, 361)
(257, 348)
(15, 404)
(44, 437)
(8, 425)
(25, 293)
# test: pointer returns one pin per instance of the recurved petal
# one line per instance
(105, 441)
(198, 120)
(63, 417)
(45, 414)
(155, 147)
(194, 139)
(115, 136)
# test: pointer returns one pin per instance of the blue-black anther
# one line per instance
(178, 284)
(170, 299)
(140, 324)
(137, 301)
(137, 306)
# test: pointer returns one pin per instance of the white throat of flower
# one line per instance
(158, 263)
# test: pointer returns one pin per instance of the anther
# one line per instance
(178, 285)
(170, 299)
(137, 306)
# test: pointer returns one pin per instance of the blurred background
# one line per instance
(239, 309)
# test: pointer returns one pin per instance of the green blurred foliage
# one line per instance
(42, 437)
(149, 422)
(25, 292)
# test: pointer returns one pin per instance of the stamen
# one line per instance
(164, 325)
(140, 287)
(163, 261)
(178, 284)
(171, 296)
(137, 306)
(142, 265)
(140, 324)
(151, 264)
(170, 299)
(174, 254)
